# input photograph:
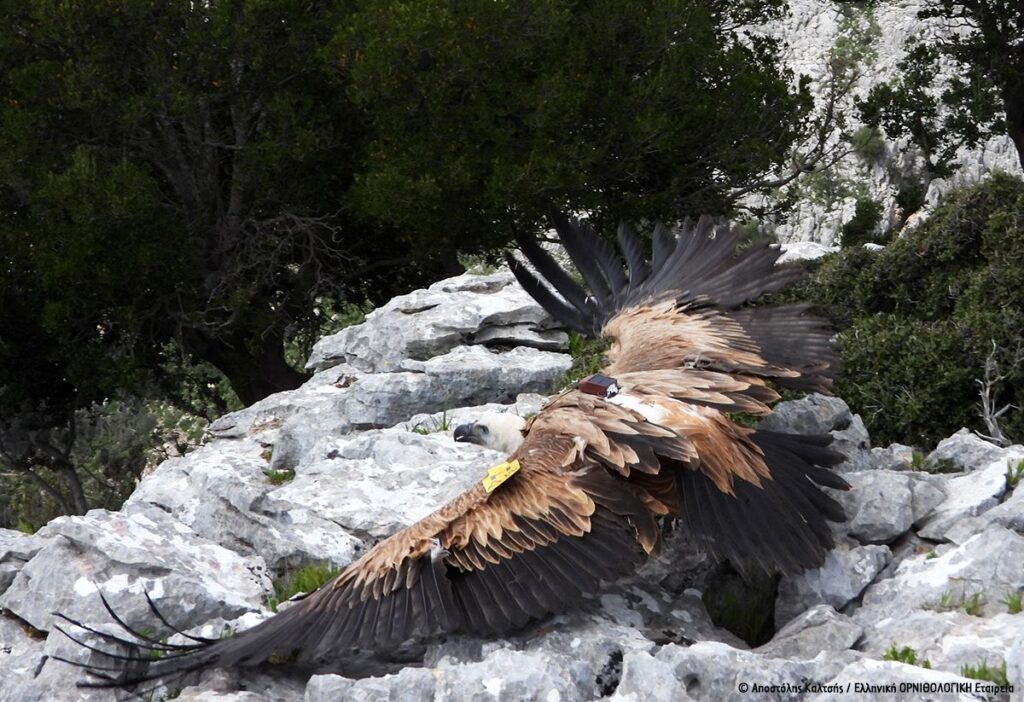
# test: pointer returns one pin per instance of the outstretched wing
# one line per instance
(687, 350)
(684, 308)
(551, 526)
(578, 502)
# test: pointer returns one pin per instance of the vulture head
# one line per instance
(501, 432)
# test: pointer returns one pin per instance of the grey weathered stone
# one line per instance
(879, 505)
(967, 496)
(845, 574)
(121, 555)
(967, 451)
(222, 492)
(714, 671)
(15, 550)
(854, 443)
(874, 672)
(893, 457)
(986, 566)
(818, 629)
(467, 375)
(1008, 514)
(814, 414)
(466, 309)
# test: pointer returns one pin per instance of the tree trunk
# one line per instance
(252, 377)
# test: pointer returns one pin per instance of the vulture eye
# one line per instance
(484, 429)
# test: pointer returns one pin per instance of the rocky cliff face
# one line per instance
(928, 562)
(873, 40)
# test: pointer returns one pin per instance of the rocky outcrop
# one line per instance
(873, 37)
(929, 562)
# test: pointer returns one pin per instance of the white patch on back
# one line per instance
(650, 412)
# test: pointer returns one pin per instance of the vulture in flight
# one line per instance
(579, 498)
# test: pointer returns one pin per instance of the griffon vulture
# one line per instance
(578, 500)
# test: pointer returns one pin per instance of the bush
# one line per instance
(869, 144)
(919, 319)
(863, 226)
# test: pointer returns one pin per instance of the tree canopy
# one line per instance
(979, 49)
(484, 114)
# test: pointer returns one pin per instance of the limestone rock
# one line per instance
(967, 451)
(15, 550)
(893, 457)
(818, 629)
(845, 574)
(977, 574)
(121, 555)
(867, 671)
(967, 496)
(464, 310)
(814, 414)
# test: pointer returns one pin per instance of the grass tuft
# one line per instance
(304, 579)
(905, 655)
(982, 671)
(279, 477)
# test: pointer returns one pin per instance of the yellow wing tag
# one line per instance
(499, 474)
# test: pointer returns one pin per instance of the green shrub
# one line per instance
(919, 319)
(868, 143)
(863, 226)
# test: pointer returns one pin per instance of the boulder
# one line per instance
(976, 575)
(820, 628)
(814, 414)
(845, 574)
(893, 457)
(966, 496)
(490, 310)
(16, 549)
(887, 677)
(123, 555)
(966, 451)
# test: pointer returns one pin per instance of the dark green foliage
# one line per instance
(628, 110)
(306, 578)
(868, 143)
(744, 605)
(983, 96)
(863, 226)
(919, 319)
(587, 358)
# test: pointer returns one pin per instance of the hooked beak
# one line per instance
(464, 432)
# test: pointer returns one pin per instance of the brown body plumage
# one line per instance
(596, 472)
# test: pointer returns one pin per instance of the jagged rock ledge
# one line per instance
(927, 561)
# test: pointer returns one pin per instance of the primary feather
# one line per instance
(595, 473)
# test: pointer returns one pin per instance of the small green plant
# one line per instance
(973, 604)
(982, 671)
(305, 579)
(920, 463)
(587, 357)
(868, 143)
(906, 655)
(279, 477)
(931, 554)
(433, 424)
(478, 264)
(1014, 602)
(948, 602)
(1014, 473)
